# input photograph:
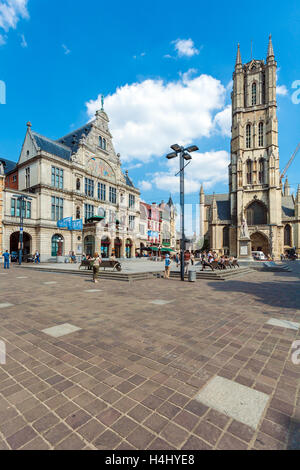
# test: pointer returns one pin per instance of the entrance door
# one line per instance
(57, 245)
(118, 245)
(105, 242)
(14, 242)
(89, 245)
(260, 242)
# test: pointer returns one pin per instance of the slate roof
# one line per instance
(223, 205)
(72, 140)
(9, 165)
(128, 181)
(288, 206)
(51, 146)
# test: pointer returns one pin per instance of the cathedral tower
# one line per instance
(254, 179)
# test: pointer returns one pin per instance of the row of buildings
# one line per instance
(78, 198)
(79, 177)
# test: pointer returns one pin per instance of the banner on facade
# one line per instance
(70, 224)
(66, 222)
(77, 224)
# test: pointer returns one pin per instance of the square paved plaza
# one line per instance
(153, 364)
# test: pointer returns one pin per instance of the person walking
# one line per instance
(167, 267)
(37, 257)
(6, 256)
(192, 258)
(96, 261)
(187, 257)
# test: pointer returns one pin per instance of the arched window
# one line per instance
(261, 171)
(100, 141)
(287, 235)
(253, 94)
(78, 184)
(57, 245)
(261, 134)
(249, 171)
(104, 144)
(248, 136)
(226, 237)
(256, 214)
(77, 212)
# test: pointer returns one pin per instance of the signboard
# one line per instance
(244, 250)
(70, 224)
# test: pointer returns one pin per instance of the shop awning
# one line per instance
(154, 248)
(166, 250)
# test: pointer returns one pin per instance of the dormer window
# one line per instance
(102, 143)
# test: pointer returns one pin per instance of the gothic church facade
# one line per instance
(255, 187)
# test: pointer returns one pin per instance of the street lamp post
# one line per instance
(183, 155)
(22, 198)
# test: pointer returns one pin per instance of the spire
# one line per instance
(286, 187)
(170, 201)
(102, 103)
(238, 57)
(298, 194)
(270, 48)
(202, 197)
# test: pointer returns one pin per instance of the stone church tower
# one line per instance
(254, 178)
(255, 193)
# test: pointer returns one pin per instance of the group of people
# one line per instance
(207, 258)
(7, 258)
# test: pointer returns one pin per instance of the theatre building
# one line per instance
(79, 178)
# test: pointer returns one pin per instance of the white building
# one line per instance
(78, 176)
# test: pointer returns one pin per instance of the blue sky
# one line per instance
(164, 68)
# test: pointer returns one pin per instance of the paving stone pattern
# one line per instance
(130, 378)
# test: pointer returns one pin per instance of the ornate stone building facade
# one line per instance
(78, 176)
(255, 188)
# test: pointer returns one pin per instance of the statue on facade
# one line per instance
(244, 229)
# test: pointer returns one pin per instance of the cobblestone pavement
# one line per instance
(129, 377)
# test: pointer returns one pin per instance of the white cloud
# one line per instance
(10, 13)
(185, 47)
(147, 117)
(209, 168)
(144, 185)
(281, 90)
(67, 51)
(223, 121)
(23, 41)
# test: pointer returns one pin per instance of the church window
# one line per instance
(256, 214)
(261, 171)
(253, 94)
(248, 136)
(261, 134)
(249, 171)
(104, 144)
(226, 237)
(77, 212)
(100, 141)
(287, 235)
(78, 184)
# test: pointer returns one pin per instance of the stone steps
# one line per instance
(217, 274)
(111, 275)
